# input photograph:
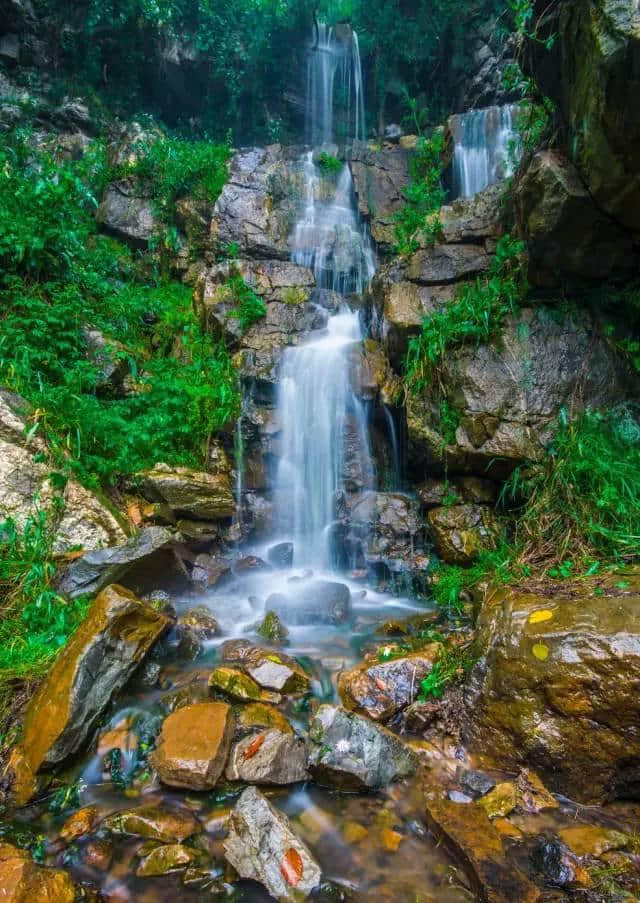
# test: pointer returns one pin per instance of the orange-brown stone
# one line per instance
(194, 745)
(22, 881)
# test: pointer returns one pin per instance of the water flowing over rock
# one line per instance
(485, 145)
(560, 672)
(314, 602)
(350, 752)
(113, 639)
(194, 745)
(261, 845)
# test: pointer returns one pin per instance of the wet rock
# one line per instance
(556, 684)
(388, 528)
(473, 840)
(261, 845)
(249, 565)
(473, 219)
(568, 236)
(115, 636)
(259, 714)
(555, 863)
(446, 263)
(79, 824)
(281, 555)
(477, 782)
(268, 757)
(592, 840)
(235, 684)
(270, 670)
(203, 496)
(461, 532)
(313, 602)
(379, 177)
(434, 493)
(128, 213)
(209, 571)
(98, 855)
(22, 881)
(382, 689)
(350, 752)
(194, 745)
(500, 801)
(166, 859)
(508, 395)
(273, 629)
(99, 568)
(200, 621)
(153, 822)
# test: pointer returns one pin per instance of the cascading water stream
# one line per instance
(334, 71)
(485, 145)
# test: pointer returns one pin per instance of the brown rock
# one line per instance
(112, 640)
(154, 822)
(382, 689)
(78, 824)
(461, 532)
(162, 860)
(259, 714)
(500, 801)
(203, 496)
(20, 776)
(558, 683)
(22, 881)
(98, 855)
(194, 745)
(592, 840)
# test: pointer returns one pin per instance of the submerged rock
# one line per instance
(268, 757)
(22, 881)
(112, 640)
(194, 745)
(382, 689)
(261, 845)
(153, 822)
(168, 858)
(97, 569)
(313, 602)
(557, 684)
(281, 555)
(350, 752)
(203, 496)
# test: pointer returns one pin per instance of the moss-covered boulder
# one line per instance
(558, 684)
(461, 532)
(203, 496)
(270, 670)
(113, 639)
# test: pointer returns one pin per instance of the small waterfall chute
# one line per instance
(483, 141)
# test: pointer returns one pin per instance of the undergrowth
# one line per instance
(417, 221)
(328, 164)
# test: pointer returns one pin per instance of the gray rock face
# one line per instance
(388, 526)
(261, 845)
(128, 213)
(313, 602)
(97, 569)
(350, 752)
(203, 496)
(379, 177)
(268, 757)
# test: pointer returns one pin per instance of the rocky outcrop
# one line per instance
(379, 177)
(194, 745)
(268, 757)
(87, 522)
(261, 845)
(188, 493)
(590, 72)
(113, 639)
(382, 689)
(508, 396)
(557, 684)
(350, 752)
(98, 569)
(461, 532)
(128, 213)
(23, 881)
(388, 529)
(568, 237)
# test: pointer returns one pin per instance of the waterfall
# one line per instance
(335, 102)
(482, 141)
(324, 424)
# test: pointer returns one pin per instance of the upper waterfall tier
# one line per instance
(485, 145)
(335, 100)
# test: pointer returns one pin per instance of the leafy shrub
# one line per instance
(249, 307)
(329, 164)
(424, 196)
(475, 315)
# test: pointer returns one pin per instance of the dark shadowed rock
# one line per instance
(97, 569)
(261, 845)
(112, 640)
(461, 532)
(268, 757)
(312, 602)
(350, 752)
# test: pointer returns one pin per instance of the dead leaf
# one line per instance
(291, 867)
(537, 617)
(540, 651)
(380, 684)
(253, 747)
(134, 515)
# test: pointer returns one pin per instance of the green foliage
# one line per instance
(452, 665)
(475, 315)
(248, 307)
(61, 278)
(424, 195)
(449, 421)
(36, 621)
(328, 164)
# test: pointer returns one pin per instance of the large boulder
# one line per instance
(388, 528)
(379, 177)
(591, 73)
(87, 522)
(194, 745)
(568, 237)
(202, 496)
(557, 684)
(128, 212)
(22, 881)
(382, 689)
(99, 568)
(312, 602)
(261, 845)
(508, 395)
(350, 752)
(110, 643)
(461, 532)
